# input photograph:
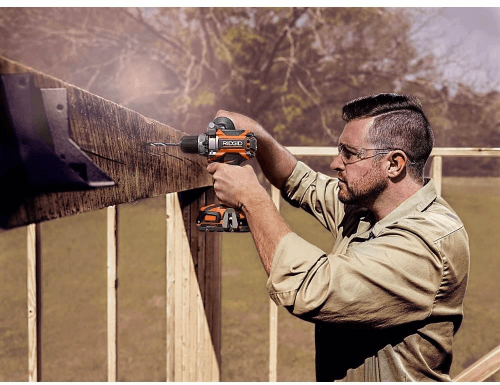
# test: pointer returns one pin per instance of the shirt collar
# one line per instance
(418, 202)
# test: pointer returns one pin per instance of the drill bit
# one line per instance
(159, 144)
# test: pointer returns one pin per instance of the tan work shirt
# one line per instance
(388, 299)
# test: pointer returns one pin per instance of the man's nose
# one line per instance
(337, 164)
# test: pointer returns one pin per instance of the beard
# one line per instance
(364, 190)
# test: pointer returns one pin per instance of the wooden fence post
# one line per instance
(192, 291)
(112, 291)
(437, 172)
(34, 282)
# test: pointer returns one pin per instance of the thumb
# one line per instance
(221, 113)
(212, 168)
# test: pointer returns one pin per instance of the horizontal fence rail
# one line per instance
(436, 151)
(482, 369)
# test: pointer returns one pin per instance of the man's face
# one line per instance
(361, 181)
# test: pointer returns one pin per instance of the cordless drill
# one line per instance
(225, 144)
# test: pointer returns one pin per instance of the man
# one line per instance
(388, 299)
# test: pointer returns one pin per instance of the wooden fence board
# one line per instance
(437, 172)
(112, 292)
(436, 151)
(170, 288)
(193, 305)
(34, 282)
(113, 137)
(481, 370)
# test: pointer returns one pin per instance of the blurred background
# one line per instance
(291, 69)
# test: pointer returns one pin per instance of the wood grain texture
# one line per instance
(114, 138)
(193, 291)
(112, 292)
(34, 289)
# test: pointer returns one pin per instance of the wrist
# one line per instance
(255, 200)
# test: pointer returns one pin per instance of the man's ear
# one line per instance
(397, 164)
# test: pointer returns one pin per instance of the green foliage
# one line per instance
(205, 97)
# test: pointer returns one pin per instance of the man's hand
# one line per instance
(275, 161)
(239, 187)
(242, 122)
(235, 185)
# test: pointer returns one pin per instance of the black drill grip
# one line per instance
(233, 159)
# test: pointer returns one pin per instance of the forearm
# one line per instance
(276, 162)
(267, 226)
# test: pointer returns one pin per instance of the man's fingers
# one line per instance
(221, 113)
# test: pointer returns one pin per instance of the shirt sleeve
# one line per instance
(316, 193)
(385, 281)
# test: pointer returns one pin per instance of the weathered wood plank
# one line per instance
(113, 137)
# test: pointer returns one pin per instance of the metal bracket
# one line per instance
(37, 154)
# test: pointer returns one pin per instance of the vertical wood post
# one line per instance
(192, 293)
(273, 315)
(34, 259)
(170, 287)
(112, 291)
(437, 172)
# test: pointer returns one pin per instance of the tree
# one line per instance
(292, 69)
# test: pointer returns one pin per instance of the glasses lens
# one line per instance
(345, 154)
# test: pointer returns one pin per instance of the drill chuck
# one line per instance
(189, 144)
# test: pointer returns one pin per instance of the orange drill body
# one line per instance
(221, 143)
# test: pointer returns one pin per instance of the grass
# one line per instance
(74, 295)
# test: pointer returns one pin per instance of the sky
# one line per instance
(475, 35)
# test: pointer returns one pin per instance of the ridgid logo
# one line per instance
(232, 143)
